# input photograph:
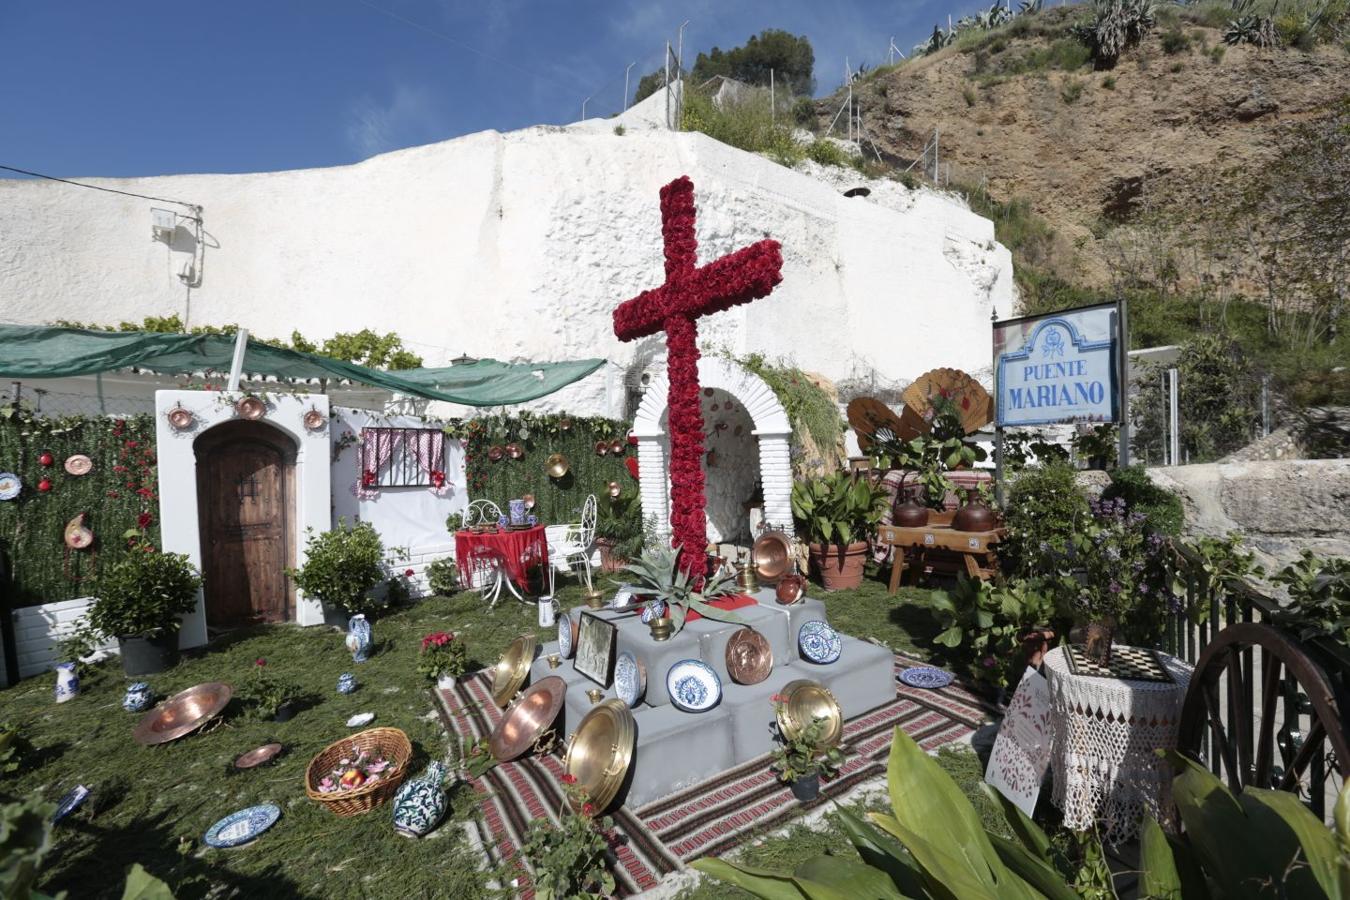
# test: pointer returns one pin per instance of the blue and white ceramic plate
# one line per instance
(10, 485)
(653, 610)
(70, 802)
(925, 677)
(565, 636)
(819, 642)
(630, 678)
(693, 686)
(243, 826)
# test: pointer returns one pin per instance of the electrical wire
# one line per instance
(95, 187)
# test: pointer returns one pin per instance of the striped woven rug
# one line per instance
(707, 819)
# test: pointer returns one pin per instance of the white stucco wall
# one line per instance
(519, 245)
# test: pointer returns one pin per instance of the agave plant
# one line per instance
(1247, 27)
(932, 845)
(1029, 6)
(1116, 25)
(658, 572)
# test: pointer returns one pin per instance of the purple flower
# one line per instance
(987, 662)
(1113, 587)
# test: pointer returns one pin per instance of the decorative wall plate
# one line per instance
(819, 643)
(243, 826)
(314, 420)
(656, 609)
(693, 686)
(567, 635)
(749, 657)
(251, 408)
(180, 418)
(925, 677)
(772, 554)
(630, 678)
(803, 702)
(10, 485)
(77, 534)
(79, 464)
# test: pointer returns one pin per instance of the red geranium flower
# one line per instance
(144, 520)
(569, 779)
(587, 809)
(408, 573)
(260, 661)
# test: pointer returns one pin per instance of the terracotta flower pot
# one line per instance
(839, 567)
(608, 561)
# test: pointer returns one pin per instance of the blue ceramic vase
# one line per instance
(420, 803)
(67, 682)
(138, 697)
(358, 638)
(346, 683)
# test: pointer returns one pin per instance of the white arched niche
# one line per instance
(760, 451)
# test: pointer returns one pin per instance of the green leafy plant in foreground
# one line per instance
(146, 593)
(658, 572)
(266, 692)
(984, 626)
(1319, 591)
(837, 508)
(569, 859)
(1258, 843)
(800, 756)
(443, 576)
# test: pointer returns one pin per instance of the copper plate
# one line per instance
(257, 756)
(749, 657)
(515, 451)
(180, 418)
(772, 554)
(791, 589)
(601, 750)
(314, 420)
(513, 668)
(528, 718)
(495, 453)
(250, 408)
(183, 713)
(79, 464)
(805, 700)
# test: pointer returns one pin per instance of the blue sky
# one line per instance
(143, 88)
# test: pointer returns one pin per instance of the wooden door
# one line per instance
(245, 499)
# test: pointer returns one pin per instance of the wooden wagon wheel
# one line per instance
(1307, 754)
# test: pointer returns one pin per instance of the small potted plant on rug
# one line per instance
(342, 566)
(442, 659)
(837, 512)
(141, 602)
(799, 762)
(571, 859)
(269, 695)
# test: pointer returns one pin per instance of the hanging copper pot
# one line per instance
(314, 420)
(601, 448)
(616, 447)
(557, 466)
(615, 490)
(565, 424)
(251, 408)
(495, 453)
(180, 418)
(791, 589)
(514, 450)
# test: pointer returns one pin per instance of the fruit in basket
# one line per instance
(352, 779)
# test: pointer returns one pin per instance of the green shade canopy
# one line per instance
(37, 351)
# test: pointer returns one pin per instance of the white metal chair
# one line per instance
(570, 544)
(482, 512)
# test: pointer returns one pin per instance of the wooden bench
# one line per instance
(942, 549)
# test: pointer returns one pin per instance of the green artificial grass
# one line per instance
(152, 805)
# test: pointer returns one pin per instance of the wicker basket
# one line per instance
(390, 743)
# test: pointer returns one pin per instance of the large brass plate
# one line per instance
(600, 751)
(183, 713)
(513, 668)
(805, 700)
(532, 715)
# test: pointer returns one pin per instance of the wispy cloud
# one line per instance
(409, 115)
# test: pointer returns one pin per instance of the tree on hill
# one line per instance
(789, 56)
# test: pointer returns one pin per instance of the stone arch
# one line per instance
(771, 428)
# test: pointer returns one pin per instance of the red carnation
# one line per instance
(569, 778)
(631, 464)
(144, 520)
(632, 440)
(408, 573)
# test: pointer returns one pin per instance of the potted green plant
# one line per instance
(443, 658)
(268, 695)
(836, 513)
(342, 566)
(618, 531)
(570, 859)
(799, 762)
(658, 572)
(141, 602)
(443, 577)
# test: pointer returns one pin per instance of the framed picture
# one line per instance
(596, 641)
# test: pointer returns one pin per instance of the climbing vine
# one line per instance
(817, 426)
(119, 496)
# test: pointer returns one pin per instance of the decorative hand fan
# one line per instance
(78, 535)
(971, 399)
(874, 421)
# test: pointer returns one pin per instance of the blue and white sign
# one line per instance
(1058, 369)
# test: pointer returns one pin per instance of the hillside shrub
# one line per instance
(1071, 90)
(804, 111)
(827, 153)
(1175, 41)
(1116, 26)
(1160, 507)
(748, 125)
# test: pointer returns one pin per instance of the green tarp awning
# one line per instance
(35, 351)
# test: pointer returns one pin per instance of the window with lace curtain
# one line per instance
(403, 457)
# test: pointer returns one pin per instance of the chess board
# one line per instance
(1127, 664)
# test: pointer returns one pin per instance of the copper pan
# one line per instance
(251, 408)
(556, 466)
(772, 555)
(183, 713)
(749, 657)
(527, 719)
(791, 589)
(257, 756)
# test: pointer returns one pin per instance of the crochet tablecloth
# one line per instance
(1107, 730)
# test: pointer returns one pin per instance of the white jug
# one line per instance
(548, 609)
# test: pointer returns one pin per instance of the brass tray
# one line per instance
(803, 701)
(182, 713)
(601, 750)
(772, 555)
(513, 668)
(528, 719)
(749, 657)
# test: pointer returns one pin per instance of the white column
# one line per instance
(775, 475)
(652, 483)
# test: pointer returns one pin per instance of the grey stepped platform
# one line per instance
(678, 749)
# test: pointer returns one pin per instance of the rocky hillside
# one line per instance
(1022, 111)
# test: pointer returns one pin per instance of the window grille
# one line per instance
(403, 457)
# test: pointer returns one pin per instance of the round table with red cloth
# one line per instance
(516, 549)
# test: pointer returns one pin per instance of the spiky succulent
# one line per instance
(1116, 25)
(658, 572)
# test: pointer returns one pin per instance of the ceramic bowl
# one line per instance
(693, 686)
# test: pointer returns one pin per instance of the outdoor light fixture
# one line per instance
(162, 224)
